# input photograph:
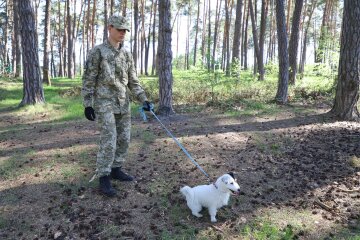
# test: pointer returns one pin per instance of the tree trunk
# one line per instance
(17, 38)
(165, 59)
(196, 31)
(32, 90)
(246, 10)
(105, 20)
(305, 39)
(154, 63)
(87, 32)
(264, 11)
(237, 33)
(216, 30)
(46, 74)
(187, 44)
(256, 43)
(142, 39)
(246, 38)
(271, 32)
(282, 92)
(64, 42)
(147, 45)
(5, 38)
(288, 17)
(347, 90)
(112, 3)
(209, 64)
(228, 11)
(136, 26)
(294, 41)
(324, 31)
(70, 44)
(93, 24)
(124, 2)
(203, 35)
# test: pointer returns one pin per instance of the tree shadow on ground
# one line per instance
(281, 164)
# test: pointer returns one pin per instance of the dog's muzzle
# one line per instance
(235, 192)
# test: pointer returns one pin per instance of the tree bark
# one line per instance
(17, 39)
(347, 90)
(142, 39)
(165, 59)
(70, 44)
(196, 32)
(105, 20)
(154, 63)
(209, 64)
(245, 44)
(147, 44)
(124, 2)
(237, 33)
(256, 43)
(294, 41)
(203, 35)
(136, 26)
(288, 17)
(216, 30)
(228, 10)
(32, 89)
(305, 39)
(324, 31)
(93, 24)
(187, 44)
(112, 3)
(282, 92)
(264, 12)
(46, 74)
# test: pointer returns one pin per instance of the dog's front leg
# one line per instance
(212, 213)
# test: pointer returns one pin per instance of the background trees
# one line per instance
(207, 34)
(218, 30)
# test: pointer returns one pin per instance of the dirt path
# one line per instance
(293, 168)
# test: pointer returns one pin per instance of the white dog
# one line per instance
(212, 196)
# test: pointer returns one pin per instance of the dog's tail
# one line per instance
(187, 192)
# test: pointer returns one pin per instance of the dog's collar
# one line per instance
(215, 186)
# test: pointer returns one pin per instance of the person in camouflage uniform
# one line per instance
(109, 75)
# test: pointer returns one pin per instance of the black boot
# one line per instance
(117, 174)
(105, 186)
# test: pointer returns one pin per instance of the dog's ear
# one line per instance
(232, 175)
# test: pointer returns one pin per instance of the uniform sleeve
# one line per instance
(134, 83)
(90, 77)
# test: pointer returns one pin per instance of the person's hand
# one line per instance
(147, 106)
(90, 113)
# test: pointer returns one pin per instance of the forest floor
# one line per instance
(298, 169)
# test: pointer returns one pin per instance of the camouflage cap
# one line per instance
(119, 22)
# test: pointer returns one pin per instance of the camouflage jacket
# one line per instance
(109, 74)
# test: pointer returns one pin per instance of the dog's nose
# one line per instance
(238, 190)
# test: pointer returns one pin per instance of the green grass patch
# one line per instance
(58, 106)
(15, 165)
(355, 161)
(3, 222)
(261, 230)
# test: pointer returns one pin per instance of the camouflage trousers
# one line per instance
(114, 141)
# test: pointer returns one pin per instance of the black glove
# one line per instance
(147, 106)
(90, 113)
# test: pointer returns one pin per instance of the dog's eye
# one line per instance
(232, 183)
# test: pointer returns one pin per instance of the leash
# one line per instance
(142, 113)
